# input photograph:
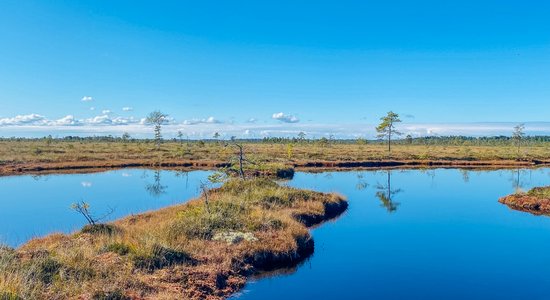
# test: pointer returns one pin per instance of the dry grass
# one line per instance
(41, 156)
(13, 152)
(171, 253)
(535, 201)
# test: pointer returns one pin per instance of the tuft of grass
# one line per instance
(540, 192)
(118, 248)
(107, 229)
(113, 295)
(160, 257)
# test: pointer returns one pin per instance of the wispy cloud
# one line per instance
(127, 108)
(285, 118)
(37, 125)
(87, 99)
(209, 120)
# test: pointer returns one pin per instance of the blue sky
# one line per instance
(218, 65)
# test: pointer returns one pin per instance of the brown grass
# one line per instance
(172, 253)
(40, 156)
(535, 201)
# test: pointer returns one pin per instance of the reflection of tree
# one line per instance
(361, 182)
(517, 183)
(386, 193)
(465, 175)
(185, 174)
(156, 189)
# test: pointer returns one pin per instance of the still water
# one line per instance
(408, 234)
(438, 234)
(32, 206)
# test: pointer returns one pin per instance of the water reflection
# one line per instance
(465, 175)
(32, 206)
(156, 189)
(361, 182)
(518, 179)
(385, 194)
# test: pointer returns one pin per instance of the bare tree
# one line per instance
(241, 158)
(205, 190)
(83, 208)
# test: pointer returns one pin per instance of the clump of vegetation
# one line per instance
(540, 192)
(535, 201)
(159, 257)
(118, 248)
(201, 249)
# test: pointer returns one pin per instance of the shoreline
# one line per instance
(181, 263)
(311, 166)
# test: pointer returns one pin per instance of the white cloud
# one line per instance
(87, 99)
(252, 120)
(86, 184)
(127, 108)
(35, 125)
(209, 120)
(285, 118)
(68, 120)
(31, 119)
(107, 120)
(106, 112)
(92, 108)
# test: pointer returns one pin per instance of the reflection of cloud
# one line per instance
(86, 184)
(126, 175)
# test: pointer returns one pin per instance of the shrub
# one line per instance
(118, 248)
(99, 229)
(46, 269)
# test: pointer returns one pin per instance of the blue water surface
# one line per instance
(33, 206)
(408, 234)
(443, 236)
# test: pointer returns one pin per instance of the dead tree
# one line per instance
(83, 208)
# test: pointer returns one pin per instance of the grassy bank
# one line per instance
(56, 155)
(204, 249)
(535, 201)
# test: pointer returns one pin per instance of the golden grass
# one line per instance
(29, 151)
(38, 156)
(171, 253)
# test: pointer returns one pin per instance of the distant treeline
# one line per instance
(407, 140)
